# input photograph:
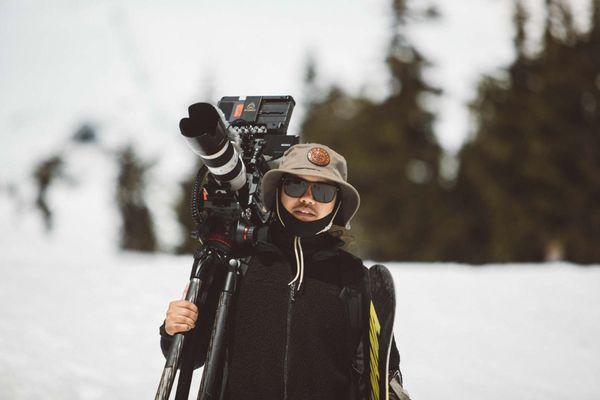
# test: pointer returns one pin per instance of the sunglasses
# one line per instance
(322, 192)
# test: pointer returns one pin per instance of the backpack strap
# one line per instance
(353, 299)
(353, 294)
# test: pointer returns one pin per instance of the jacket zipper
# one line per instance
(292, 298)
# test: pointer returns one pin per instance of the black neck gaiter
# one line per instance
(299, 228)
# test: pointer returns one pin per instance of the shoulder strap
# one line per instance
(353, 294)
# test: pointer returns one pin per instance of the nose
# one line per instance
(307, 197)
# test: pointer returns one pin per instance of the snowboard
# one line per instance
(381, 311)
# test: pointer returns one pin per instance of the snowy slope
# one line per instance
(82, 327)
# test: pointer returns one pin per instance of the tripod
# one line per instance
(230, 217)
(210, 261)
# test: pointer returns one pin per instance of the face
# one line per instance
(305, 208)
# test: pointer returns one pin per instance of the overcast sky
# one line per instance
(133, 67)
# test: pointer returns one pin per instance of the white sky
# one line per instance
(134, 66)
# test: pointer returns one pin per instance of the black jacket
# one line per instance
(292, 345)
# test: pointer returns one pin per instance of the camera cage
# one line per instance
(257, 127)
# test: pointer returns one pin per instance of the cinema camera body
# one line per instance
(238, 141)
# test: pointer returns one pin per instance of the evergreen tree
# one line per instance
(49, 170)
(533, 164)
(392, 151)
(137, 228)
(45, 174)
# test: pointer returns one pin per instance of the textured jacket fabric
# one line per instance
(288, 345)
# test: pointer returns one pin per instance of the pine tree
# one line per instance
(534, 160)
(45, 174)
(392, 153)
(137, 228)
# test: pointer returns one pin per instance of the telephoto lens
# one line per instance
(206, 134)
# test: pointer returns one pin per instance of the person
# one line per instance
(292, 335)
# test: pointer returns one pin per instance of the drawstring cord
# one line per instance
(299, 262)
(297, 250)
(298, 244)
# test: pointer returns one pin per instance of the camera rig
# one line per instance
(237, 143)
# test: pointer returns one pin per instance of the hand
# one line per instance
(181, 316)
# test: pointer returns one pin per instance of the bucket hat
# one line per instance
(316, 160)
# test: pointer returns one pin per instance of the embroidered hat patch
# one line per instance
(319, 156)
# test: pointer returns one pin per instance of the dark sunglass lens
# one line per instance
(294, 187)
(323, 192)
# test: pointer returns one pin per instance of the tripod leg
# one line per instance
(190, 349)
(194, 349)
(168, 375)
(225, 375)
(209, 386)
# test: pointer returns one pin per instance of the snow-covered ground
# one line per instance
(79, 320)
(85, 326)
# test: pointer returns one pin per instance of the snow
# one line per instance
(524, 331)
(80, 325)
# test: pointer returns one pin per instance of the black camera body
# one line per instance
(236, 143)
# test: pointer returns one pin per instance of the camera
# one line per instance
(236, 141)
